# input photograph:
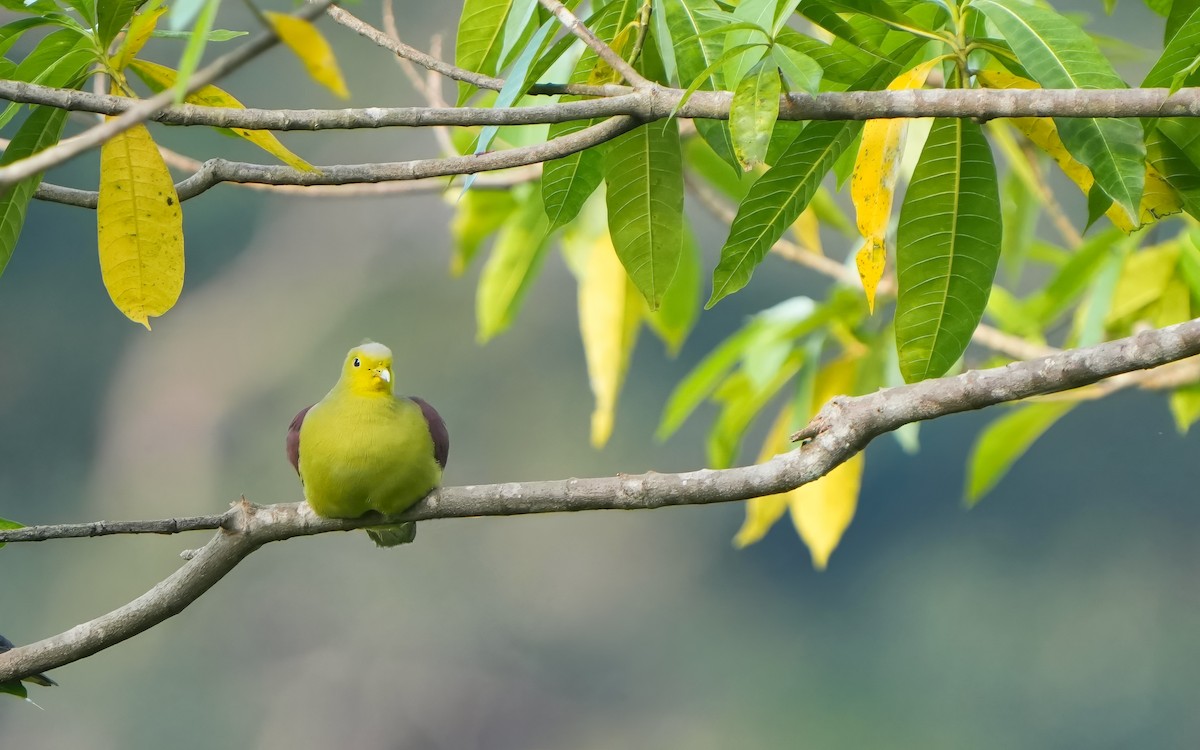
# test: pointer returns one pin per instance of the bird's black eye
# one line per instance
(356, 362)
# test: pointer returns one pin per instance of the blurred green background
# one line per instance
(1062, 612)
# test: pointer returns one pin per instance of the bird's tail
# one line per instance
(393, 536)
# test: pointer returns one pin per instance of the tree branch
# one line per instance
(146, 108)
(985, 104)
(842, 428)
(215, 171)
(606, 53)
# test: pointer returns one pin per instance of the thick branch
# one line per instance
(147, 108)
(841, 429)
(853, 105)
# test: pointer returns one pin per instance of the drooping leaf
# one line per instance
(1070, 281)
(216, 35)
(1185, 407)
(41, 129)
(681, 303)
(1180, 52)
(1181, 11)
(308, 44)
(644, 178)
(140, 227)
(763, 512)
(159, 78)
(873, 184)
(753, 113)
(610, 314)
(478, 215)
(1005, 440)
(7, 524)
(112, 15)
(948, 246)
(1060, 55)
(197, 41)
(511, 268)
(1144, 279)
(740, 400)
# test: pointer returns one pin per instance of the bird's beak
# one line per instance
(385, 374)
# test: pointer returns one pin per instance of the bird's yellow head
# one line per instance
(368, 369)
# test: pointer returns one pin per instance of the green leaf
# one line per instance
(741, 400)
(1185, 407)
(4, 522)
(216, 35)
(40, 130)
(1088, 328)
(753, 113)
(59, 60)
(1181, 12)
(1176, 166)
(681, 303)
(683, 21)
(801, 70)
(1020, 208)
(11, 32)
(827, 18)
(947, 248)
(515, 85)
(760, 14)
(480, 39)
(644, 178)
(1144, 278)
(1073, 278)
(112, 15)
(840, 64)
(511, 268)
(1005, 440)
(704, 377)
(1179, 53)
(1060, 55)
(775, 200)
(183, 12)
(16, 687)
(518, 27)
(479, 214)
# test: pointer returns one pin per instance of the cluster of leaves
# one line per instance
(958, 216)
(139, 219)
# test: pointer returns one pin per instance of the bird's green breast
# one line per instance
(362, 453)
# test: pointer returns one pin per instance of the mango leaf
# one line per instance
(763, 512)
(1070, 281)
(56, 61)
(1181, 12)
(7, 524)
(159, 78)
(644, 177)
(478, 215)
(684, 21)
(303, 38)
(839, 65)
(802, 71)
(753, 113)
(511, 268)
(740, 400)
(777, 198)
(704, 378)
(216, 35)
(673, 320)
(1180, 51)
(1144, 278)
(1185, 407)
(112, 15)
(480, 39)
(1005, 440)
(41, 129)
(141, 28)
(873, 184)
(948, 246)
(140, 227)
(183, 12)
(1174, 306)
(610, 314)
(518, 27)
(756, 17)
(1060, 55)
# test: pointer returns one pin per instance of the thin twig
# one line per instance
(572, 24)
(840, 430)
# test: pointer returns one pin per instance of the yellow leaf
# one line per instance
(160, 77)
(140, 29)
(873, 184)
(763, 512)
(312, 49)
(140, 227)
(822, 510)
(610, 314)
(1158, 200)
(807, 229)
(603, 73)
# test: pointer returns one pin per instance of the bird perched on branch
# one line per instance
(362, 448)
(17, 687)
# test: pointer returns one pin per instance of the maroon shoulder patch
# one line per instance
(437, 430)
(293, 439)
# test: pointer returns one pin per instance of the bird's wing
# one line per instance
(437, 430)
(293, 439)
